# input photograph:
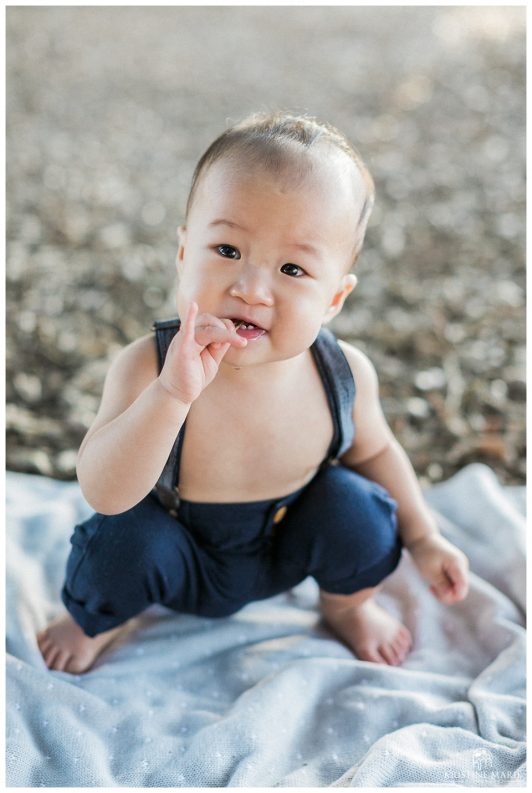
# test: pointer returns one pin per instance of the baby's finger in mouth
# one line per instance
(209, 334)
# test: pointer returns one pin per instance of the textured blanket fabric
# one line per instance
(269, 697)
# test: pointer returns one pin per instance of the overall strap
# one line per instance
(340, 389)
(165, 330)
(166, 488)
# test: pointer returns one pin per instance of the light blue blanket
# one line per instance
(269, 697)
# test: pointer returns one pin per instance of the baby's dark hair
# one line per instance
(272, 140)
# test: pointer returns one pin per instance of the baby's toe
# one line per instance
(405, 637)
(368, 652)
(51, 655)
(391, 654)
(43, 640)
(61, 661)
(401, 650)
(377, 656)
(77, 665)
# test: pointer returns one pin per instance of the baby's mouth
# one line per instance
(248, 330)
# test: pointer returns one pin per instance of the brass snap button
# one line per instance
(173, 513)
(279, 515)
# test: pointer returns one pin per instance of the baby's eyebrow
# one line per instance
(230, 223)
(305, 247)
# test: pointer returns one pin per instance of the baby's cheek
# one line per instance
(186, 293)
(296, 327)
(182, 300)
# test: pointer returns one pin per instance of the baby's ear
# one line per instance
(347, 284)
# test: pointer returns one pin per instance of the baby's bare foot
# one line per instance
(66, 648)
(370, 631)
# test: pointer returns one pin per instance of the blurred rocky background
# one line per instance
(108, 109)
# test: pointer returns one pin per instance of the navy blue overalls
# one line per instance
(211, 559)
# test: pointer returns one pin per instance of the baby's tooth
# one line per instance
(244, 325)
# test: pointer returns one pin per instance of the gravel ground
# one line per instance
(108, 109)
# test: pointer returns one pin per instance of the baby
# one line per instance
(243, 449)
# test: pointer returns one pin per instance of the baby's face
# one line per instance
(270, 251)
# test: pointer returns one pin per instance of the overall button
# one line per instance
(279, 515)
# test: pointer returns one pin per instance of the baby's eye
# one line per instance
(293, 270)
(228, 252)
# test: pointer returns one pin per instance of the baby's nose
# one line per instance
(252, 287)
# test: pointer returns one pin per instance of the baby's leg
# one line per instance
(348, 527)
(119, 566)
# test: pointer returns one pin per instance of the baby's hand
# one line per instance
(443, 566)
(195, 353)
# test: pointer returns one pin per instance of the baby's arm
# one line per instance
(377, 455)
(141, 412)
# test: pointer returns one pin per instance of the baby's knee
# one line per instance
(107, 549)
(358, 543)
(118, 566)
(357, 506)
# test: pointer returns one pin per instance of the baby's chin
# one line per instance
(257, 354)
(245, 356)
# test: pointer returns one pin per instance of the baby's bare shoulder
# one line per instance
(364, 372)
(131, 371)
(372, 432)
(137, 362)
